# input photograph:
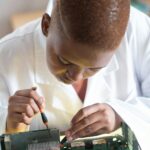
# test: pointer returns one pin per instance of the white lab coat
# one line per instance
(124, 84)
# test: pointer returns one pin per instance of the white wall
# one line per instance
(10, 7)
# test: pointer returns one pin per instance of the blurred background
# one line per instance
(143, 5)
(14, 13)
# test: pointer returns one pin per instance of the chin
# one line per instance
(64, 80)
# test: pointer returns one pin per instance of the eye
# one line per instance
(63, 61)
(94, 69)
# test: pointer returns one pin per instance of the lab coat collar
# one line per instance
(42, 73)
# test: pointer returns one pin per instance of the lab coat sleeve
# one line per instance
(136, 114)
(4, 85)
(135, 111)
(4, 95)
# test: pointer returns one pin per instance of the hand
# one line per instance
(22, 107)
(93, 120)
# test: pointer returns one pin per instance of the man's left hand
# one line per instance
(95, 119)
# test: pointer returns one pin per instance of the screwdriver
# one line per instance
(43, 116)
(64, 140)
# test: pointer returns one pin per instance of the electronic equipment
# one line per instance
(33, 140)
(42, 140)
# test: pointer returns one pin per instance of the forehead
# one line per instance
(77, 53)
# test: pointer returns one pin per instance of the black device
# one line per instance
(32, 140)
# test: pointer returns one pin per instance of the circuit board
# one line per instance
(107, 143)
(50, 140)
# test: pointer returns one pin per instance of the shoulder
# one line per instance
(20, 40)
(18, 44)
(138, 40)
(139, 23)
(22, 31)
(138, 31)
(135, 13)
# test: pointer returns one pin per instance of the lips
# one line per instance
(64, 78)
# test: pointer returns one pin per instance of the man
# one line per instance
(88, 62)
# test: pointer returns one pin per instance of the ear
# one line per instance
(45, 24)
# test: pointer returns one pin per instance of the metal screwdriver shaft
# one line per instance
(45, 121)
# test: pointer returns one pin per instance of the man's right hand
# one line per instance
(22, 107)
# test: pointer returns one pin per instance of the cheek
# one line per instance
(88, 74)
(54, 66)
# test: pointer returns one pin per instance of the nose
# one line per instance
(75, 73)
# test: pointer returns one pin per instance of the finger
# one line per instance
(34, 88)
(21, 108)
(86, 121)
(21, 118)
(94, 129)
(31, 94)
(87, 111)
(24, 100)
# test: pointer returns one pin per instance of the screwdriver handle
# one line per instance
(64, 140)
(44, 118)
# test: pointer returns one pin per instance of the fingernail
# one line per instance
(69, 139)
(40, 100)
(68, 133)
(34, 88)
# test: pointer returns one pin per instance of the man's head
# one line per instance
(82, 36)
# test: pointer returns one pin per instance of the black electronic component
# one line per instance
(33, 140)
(105, 143)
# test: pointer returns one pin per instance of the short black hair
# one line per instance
(98, 23)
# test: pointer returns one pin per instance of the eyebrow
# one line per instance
(96, 68)
(65, 59)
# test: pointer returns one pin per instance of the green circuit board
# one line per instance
(44, 140)
(107, 143)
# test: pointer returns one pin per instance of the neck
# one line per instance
(80, 88)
